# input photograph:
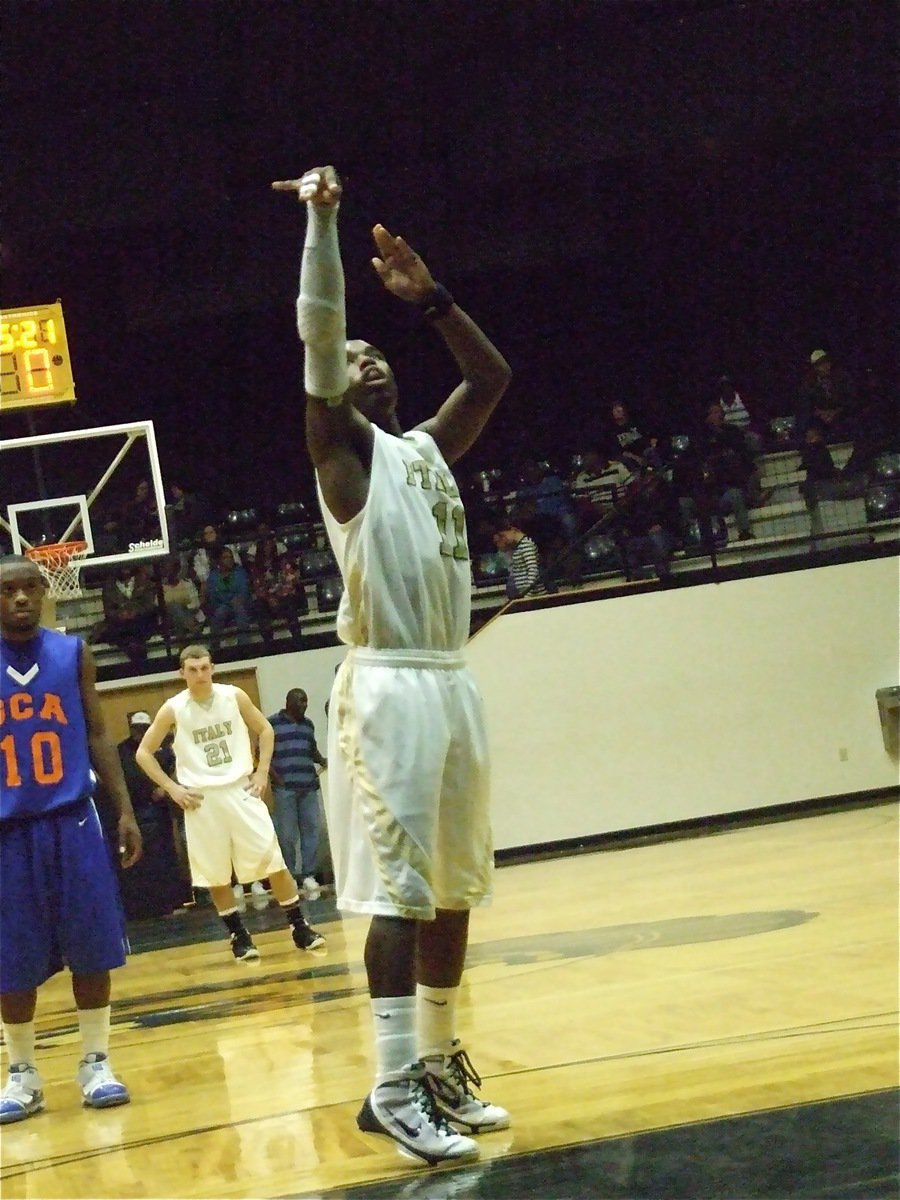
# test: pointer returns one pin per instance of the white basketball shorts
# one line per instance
(231, 827)
(407, 801)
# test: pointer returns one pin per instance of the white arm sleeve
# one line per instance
(321, 315)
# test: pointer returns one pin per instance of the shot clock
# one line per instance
(35, 368)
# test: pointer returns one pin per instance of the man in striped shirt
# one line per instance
(525, 562)
(295, 787)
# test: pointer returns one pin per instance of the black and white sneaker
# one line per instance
(242, 946)
(452, 1078)
(404, 1108)
(307, 938)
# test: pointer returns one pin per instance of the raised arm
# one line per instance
(338, 437)
(485, 377)
(485, 372)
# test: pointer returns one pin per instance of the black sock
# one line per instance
(233, 922)
(294, 915)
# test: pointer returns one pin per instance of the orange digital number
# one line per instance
(7, 342)
(42, 367)
(46, 759)
(27, 340)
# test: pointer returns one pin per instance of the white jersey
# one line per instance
(404, 557)
(212, 742)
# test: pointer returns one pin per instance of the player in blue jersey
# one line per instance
(60, 897)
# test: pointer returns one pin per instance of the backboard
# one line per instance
(82, 484)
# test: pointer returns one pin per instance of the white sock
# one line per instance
(94, 1026)
(435, 1018)
(394, 1026)
(19, 1043)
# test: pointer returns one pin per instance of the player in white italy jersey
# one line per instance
(407, 790)
(226, 821)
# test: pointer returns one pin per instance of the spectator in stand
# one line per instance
(278, 591)
(130, 612)
(544, 492)
(139, 520)
(187, 513)
(295, 789)
(264, 533)
(524, 576)
(714, 474)
(628, 443)
(153, 887)
(816, 461)
(227, 598)
(544, 501)
(594, 488)
(828, 395)
(824, 480)
(649, 525)
(736, 414)
(182, 601)
(207, 553)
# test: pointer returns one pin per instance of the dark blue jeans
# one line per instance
(296, 818)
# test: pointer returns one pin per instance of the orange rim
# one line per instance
(57, 552)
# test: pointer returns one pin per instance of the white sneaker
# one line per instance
(239, 898)
(23, 1095)
(99, 1086)
(451, 1078)
(311, 889)
(403, 1108)
(259, 897)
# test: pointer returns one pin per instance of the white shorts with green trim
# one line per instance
(231, 828)
(408, 789)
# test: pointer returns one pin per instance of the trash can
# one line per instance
(888, 700)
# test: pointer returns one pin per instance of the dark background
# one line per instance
(630, 197)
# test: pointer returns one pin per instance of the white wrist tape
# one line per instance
(321, 313)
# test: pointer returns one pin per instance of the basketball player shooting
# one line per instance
(408, 788)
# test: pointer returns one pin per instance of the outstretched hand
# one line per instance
(400, 268)
(319, 186)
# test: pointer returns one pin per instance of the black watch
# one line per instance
(437, 303)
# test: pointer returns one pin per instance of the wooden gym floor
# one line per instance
(714, 1016)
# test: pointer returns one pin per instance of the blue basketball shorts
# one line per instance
(61, 905)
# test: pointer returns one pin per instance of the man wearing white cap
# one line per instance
(156, 887)
(828, 397)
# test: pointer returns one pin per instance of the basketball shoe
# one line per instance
(404, 1108)
(305, 937)
(23, 1095)
(240, 900)
(242, 946)
(99, 1087)
(311, 889)
(451, 1078)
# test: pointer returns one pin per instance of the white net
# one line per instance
(61, 567)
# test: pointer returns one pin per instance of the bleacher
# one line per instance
(781, 527)
(322, 585)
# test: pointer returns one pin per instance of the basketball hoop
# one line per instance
(60, 565)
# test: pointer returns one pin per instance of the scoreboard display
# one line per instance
(35, 368)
